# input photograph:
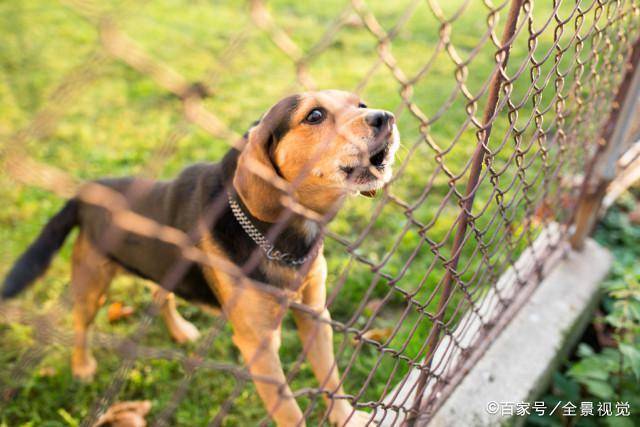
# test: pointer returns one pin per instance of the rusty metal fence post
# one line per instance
(466, 203)
(613, 139)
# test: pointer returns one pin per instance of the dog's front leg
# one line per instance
(256, 318)
(317, 339)
(259, 349)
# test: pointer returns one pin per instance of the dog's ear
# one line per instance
(256, 163)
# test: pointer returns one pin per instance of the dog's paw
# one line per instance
(353, 419)
(84, 368)
(184, 331)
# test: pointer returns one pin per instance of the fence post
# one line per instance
(614, 136)
(502, 56)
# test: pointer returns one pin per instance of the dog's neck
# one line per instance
(292, 233)
(309, 227)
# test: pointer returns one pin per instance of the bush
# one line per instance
(609, 369)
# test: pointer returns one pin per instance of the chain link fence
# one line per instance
(505, 110)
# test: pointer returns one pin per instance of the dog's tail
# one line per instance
(35, 260)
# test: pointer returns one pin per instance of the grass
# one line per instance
(115, 122)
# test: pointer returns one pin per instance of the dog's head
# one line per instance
(324, 144)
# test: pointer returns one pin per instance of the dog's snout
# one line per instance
(380, 120)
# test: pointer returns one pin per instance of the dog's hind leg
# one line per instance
(91, 274)
(180, 329)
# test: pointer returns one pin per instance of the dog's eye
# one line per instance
(315, 116)
(362, 105)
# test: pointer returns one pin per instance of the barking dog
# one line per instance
(261, 209)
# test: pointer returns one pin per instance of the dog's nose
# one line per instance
(379, 121)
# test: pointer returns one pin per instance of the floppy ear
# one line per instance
(256, 165)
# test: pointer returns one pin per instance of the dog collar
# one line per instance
(259, 239)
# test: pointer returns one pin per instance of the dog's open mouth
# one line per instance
(363, 174)
(377, 159)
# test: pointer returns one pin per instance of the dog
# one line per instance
(293, 171)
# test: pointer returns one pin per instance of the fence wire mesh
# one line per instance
(500, 107)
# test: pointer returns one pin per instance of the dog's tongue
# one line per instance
(369, 193)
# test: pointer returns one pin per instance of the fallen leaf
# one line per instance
(118, 311)
(376, 334)
(125, 414)
(46, 371)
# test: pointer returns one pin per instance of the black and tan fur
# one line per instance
(349, 151)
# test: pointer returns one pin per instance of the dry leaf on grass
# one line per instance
(118, 311)
(46, 371)
(376, 334)
(125, 414)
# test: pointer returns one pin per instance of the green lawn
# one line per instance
(119, 122)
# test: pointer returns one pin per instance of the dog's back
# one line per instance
(179, 203)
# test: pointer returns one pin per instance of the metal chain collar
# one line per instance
(267, 247)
